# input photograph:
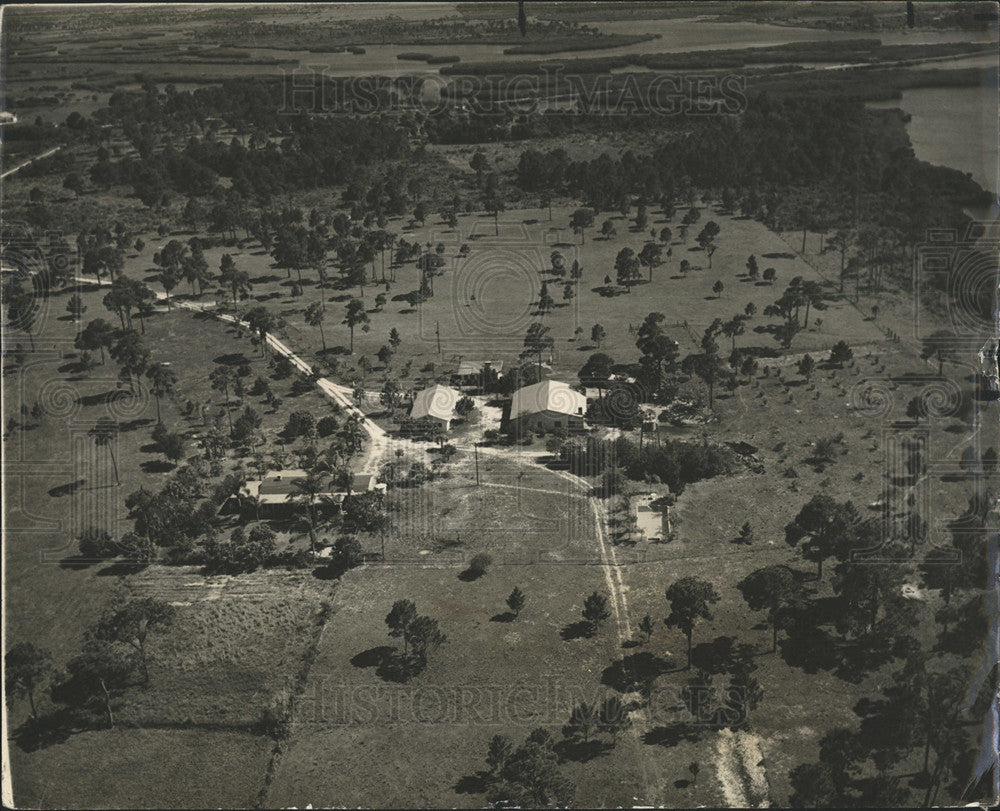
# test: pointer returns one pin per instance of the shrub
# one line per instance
(327, 426)
(478, 565)
(300, 423)
(95, 543)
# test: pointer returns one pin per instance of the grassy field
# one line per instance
(240, 641)
(494, 676)
(484, 303)
(143, 768)
(236, 641)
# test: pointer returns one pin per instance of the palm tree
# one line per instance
(238, 281)
(356, 316)
(161, 382)
(253, 501)
(104, 434)
(307, 490)
(353, 433)
(222, 378)
(314, 318)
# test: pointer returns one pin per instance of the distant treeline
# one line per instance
(430, 59)
(858, 50)
(828, 147)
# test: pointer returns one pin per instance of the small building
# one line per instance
(275, 493)
(477, 372)
(435, 405)
(547, 406)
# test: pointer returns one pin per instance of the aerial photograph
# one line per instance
(500, 405)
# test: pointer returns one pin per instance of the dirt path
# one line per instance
(739, 765)
(740, 762)
(30, 161)
(342, 395)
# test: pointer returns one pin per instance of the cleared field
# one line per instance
(483, 303)
(494, 676)
(141, 768)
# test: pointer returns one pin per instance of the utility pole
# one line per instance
(475, 448)
(437, 332)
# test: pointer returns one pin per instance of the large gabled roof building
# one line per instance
(436, 405)
(548, 405)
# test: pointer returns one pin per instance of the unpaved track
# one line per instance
(28, 162)
(379, 440)
(739, 763)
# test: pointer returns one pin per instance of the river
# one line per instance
(955, 126)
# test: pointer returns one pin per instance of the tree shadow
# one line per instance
(77, 563)
(89, 400)
(576, 630)
(672, 735)
(373, 657)
(333, 350)
(390, 664)
(634, 672)
(131, 425)
(810, 649)
(333, 571)
(506, 616)
(231, 359)
(476, 783)
(582, 751)
(157, 466)
(67, 489)
(717, 656)
(399, 668)
(47, 730)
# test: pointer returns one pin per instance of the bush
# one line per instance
(478, 565)
(96, 543)
(160, 433)
(300, 423)
(327, 426)
(243, 552)
(282, 367)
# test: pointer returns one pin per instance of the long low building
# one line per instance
(276, 492)
(547, 406)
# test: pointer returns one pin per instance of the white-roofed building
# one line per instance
(548, 405)
(276, 493)
(435, 405)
